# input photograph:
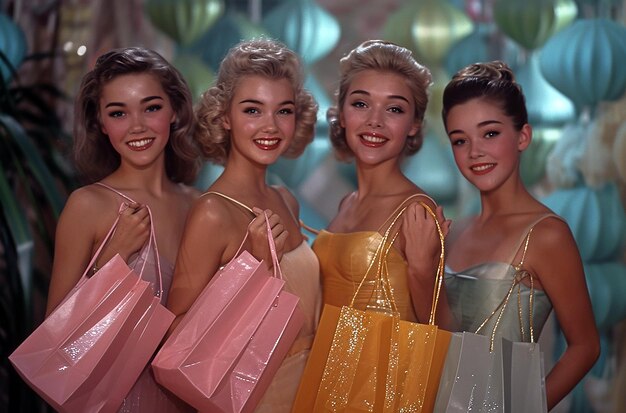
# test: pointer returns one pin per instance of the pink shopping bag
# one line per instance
(86, 356)
(225, 351)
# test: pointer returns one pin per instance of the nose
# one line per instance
(475, 150)
(137, 124)
(375, 119)
(270, 124)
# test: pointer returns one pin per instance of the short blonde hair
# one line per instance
(262, 57)
(384, 57)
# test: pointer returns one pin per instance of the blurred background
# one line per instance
(568, 55)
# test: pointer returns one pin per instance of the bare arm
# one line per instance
(78, 236)
(554, 257)
(422, 246)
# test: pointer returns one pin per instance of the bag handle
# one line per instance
(382, 278)
(520, 275)
(270, 239)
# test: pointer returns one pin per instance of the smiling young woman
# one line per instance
(485, 116)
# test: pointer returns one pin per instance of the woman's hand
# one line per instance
(422, 240)
(258, 235)
(132, 232)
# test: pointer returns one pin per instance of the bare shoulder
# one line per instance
(552, 232)
(91, 200)
(289, 198)
(212, 211)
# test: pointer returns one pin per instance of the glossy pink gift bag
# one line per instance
(86, 356)
(225, 351)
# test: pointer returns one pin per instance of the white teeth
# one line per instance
(267, 142)
(139, 143)
(481, 167)
(373, 139)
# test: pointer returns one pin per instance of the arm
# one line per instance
(422, 248)
(553, 256)
(78, 236)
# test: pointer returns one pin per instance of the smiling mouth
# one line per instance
(373, 141)
(267, 144)
(140, 144)
(482, 168)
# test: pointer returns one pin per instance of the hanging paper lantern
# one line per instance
(184, 20)
(198, 75)
(397, 27)
(470, 49)
(305, 27)
(532, 22)
(213, 45)
(586, 61)
(436, 26)
(596, 218)
(607, 286)
(534, 158)
(12, 45)
(433, 170)
(546, 105)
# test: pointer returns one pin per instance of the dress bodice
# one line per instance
(474, 293)
(344, 260)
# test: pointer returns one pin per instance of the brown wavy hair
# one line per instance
(265, 57)
(94, 156)
(381, 56)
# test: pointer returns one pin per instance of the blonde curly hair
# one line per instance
(265, 57)
(384, 57)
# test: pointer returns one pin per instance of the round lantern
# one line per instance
(436, 26)
(198, 75)
(586, 61)
(397, 27)
(305, 27)
(433, 170)
(293, 172)
(546, 105)
(534, 158)
(596, 218)
(619, 152)
(213, 45)
(607, 285)
(532, 22)
(12, 45)
(184, 20)
(470, 49)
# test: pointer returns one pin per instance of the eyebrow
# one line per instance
(481, 124)
(144, 100)
(258, 102)
(364, 92)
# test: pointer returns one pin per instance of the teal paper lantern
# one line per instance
(596, 218)
(586, 61)
(12, 45)
(213, 45)
(607, 287)
(294, 171)
(546, 105)
(304, 27)
(197, 74)
(433, 170)
(531, 23)
(470, 49)
(534, 158)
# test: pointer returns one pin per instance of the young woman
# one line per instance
(378, 121)
(133, 116)
(256, 112)
(514, 236)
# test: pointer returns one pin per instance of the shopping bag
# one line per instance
(225, 351)
(524, 379)
(370, 360)
(86, 356)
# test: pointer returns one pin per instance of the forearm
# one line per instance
(569, 370)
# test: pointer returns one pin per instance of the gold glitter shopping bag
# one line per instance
(370, 360)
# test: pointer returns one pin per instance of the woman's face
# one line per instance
(485, 143)
(136, 114)
(261, 119)
(378, 115)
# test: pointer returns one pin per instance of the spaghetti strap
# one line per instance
(400, 206)
(526, 238)
(233, 200)
(102, 184)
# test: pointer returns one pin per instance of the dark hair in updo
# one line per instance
(493, 81)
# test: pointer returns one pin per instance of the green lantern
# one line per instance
(184, 20)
